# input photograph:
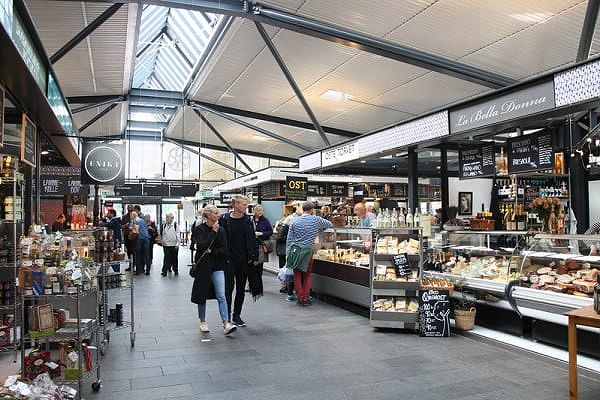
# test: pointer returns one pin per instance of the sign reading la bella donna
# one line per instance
(504, 108)
(346, 152)
(103, 164)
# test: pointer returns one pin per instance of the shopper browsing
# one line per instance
(366, 220)
(114, 223)
(300, 240)
(170, 244)
(142, 243)
(263, 232)
(242, 246)
(210, 242)
(296, 212)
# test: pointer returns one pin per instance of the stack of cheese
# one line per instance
(396, 304)
(390, 245)
(388, 273)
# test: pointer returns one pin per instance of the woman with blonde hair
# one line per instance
(210, 242)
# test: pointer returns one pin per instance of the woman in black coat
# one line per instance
(210, 242)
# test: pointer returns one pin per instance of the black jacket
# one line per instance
(214, 261)
(251, 242)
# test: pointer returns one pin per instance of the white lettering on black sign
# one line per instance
(532, 153)
(477, 162)
(434, 313)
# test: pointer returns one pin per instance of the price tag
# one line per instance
(402, 266)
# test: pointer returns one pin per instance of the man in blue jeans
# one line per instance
(142, 248)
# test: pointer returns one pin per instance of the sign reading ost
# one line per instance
(103, 164)
(296, 187)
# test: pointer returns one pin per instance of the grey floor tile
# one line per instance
(114, 374)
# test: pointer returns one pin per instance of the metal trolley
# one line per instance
(115, 276)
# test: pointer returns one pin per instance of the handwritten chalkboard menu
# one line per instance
(270, 190)
(317, 189)
(402, 265)
(337, 189)
(477, 162)
(155, 190)
(28, 141)
(434, 313)
(530, 153)
(133, 189)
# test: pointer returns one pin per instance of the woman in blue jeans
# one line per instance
(210, 242)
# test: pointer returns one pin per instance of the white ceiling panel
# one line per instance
(596, 42)
(108, 125)
(375, 18)
(540, 48)
(427, 93)
(455, 28)
(366, 118)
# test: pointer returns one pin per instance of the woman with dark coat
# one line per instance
(263, 231)
(210, 242)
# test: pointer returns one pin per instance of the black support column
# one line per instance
(578, 179)
(413, 179)
(444, 186)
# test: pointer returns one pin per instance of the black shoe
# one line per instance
(163, 274)
(283, 290)
(307, 303)
(128, 269)
(238, 321)
(299, 302)
(147, 273)
(176, 272)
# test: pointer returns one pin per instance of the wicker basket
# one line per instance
(465, 320)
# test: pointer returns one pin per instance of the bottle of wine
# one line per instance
(561, 221)
(417, 218)
(394, 219)
(521, 219)
(401, 219)
(409, 219)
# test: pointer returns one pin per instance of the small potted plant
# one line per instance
(464, 312)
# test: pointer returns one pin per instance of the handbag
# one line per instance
(158, 240)
(196, 266)
(132, 234)
(266, 247)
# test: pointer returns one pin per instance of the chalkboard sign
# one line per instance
(128, 190)
(296, 188)
(155, 190)
(530, 153)
(476, 162)
(337, 190)
(317, 189)
(183, 190)
(400, 189)
(28, 141)
(2, 101)
(269, 190)
(434, 313)
(402, 265)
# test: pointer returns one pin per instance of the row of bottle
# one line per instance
(513, 188)
(514, 217)
(398, 219)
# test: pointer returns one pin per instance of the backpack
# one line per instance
(174, 225)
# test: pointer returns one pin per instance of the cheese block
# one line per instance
(584, 286)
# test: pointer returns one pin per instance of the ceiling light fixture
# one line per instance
(335, 95)
(260, 138)
(44, 152)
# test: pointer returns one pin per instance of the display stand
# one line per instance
(111, 281)
(396, 278)
(11, 227)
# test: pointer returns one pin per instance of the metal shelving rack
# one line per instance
(105, 327)
(12, 185)
(395, 319)
(89, 333)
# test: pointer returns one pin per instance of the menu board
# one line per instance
(156, 190)
(296, 188)
(317, 189)
(400, 189)
(269, 190)
(476, 162)
(530, 153)
(337, 189)
(134, 189)
(28, 141)
(183, 190)
(402, 265)
(434, 313)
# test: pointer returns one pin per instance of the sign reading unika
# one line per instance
(504, 108)
(103, 164)
(296, 187)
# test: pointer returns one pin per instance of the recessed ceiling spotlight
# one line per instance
(44, 152)
(335, 95)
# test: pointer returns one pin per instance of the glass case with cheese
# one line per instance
(349, 246)
(568, 264)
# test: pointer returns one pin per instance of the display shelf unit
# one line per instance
(399, 290)
(80, 335)
(11, 228)
(107, 327)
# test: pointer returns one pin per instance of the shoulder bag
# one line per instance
(196, 266)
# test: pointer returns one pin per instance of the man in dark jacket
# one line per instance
(114, 223)
(242, 246)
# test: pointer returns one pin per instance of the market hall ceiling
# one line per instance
(409, 57)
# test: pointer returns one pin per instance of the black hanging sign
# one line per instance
(183, 190)
(434, 313)
(477, 162)
(53, 185)
(530, 153)
(134, 189)
(317, 189)
(337, 190)
(400, 189)
(155, 190)
(103, 164)
(402, 265)
(296, 187)
(28, 141)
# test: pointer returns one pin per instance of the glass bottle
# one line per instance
(597, 295)
(521, 219)
(561, 221)
(417, 218)
(401, 219)
(394, 218)
(409, 219)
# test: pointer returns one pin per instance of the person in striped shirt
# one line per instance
(299, 250)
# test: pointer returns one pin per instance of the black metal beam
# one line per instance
(97, 117)
(291, 81)
(256, 128)
(587, 31)
(181, 53)
(222, 139)
(209, 158)
(413, 179)
(244, 152)
(274, 119)
(95, 100)
(375, 45)
(91, 27)
(151, 42)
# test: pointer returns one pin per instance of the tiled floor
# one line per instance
(318, 352)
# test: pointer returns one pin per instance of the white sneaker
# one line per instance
(204, 327)
(228, 328)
